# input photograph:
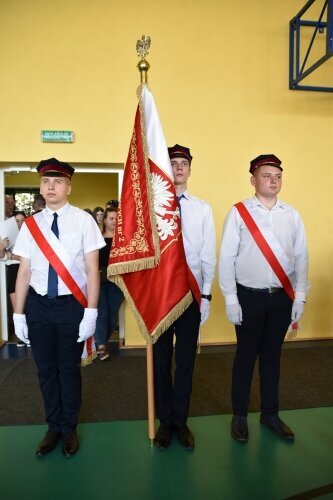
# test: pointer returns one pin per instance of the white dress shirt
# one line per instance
(79, 235)
(242, 261)
(199, 240)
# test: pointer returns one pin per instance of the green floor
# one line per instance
(116, 461)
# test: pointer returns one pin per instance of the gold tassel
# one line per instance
(89, 359)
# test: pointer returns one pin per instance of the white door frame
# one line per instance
(79, 169)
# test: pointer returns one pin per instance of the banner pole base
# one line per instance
(150, 392)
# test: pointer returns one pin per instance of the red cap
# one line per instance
(55, 168)
(261, 160)
(178, 151)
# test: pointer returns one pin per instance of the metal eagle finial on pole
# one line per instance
(142, 48)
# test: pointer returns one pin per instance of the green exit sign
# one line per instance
(57, 136)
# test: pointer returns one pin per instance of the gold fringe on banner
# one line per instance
(88, 361)
(174, 314)
(167, 321)
(132, 266)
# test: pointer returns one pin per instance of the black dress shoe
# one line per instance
(162, 439)
(276, 425)
(49, 442)
(185, 436)
(70, 443)
(239, 428)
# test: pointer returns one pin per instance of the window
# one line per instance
(23, 197)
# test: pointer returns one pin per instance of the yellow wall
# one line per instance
(219, 73)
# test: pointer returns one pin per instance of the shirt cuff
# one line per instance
(231, 299)
(206, 288)
(300, 296)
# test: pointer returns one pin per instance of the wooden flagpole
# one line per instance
(150, 393)
(142, 47)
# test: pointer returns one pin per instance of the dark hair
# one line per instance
(88, 211)
(39, 197)
(112, 203)
(109, 210)
(97, 209)
(19, 212)
(39, 202)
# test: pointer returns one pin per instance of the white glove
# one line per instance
(234, 313)
(88, 324)
(297, 310)
(204, 310)
(21, 327)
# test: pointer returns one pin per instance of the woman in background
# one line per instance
(98, 214)
(110, 296)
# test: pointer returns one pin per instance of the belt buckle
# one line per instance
(272, 289)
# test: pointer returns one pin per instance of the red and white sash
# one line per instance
(64, 266)
(58, 257)
(281, 265)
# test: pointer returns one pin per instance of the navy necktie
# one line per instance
(178, 199)
(52, 282)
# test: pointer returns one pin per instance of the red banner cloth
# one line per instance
(147, 259)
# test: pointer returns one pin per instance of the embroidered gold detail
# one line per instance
(139, 242)
(156, 241)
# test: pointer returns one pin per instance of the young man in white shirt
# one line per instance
(46, 311)
(172, 399)
(256, 301)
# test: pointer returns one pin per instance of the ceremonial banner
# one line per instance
(147, 259)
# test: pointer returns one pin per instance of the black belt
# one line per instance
(263, 290)
(59, 297)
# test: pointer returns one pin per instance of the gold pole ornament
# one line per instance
(142, 48)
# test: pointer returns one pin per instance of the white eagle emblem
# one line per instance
(163, 197)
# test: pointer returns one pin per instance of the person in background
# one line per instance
(260, 304)
(97, 214)
(56, 292)
(110, 297)
(38, 204)
(88, 211)
(9, 206)
(12, 265)
(112, 204)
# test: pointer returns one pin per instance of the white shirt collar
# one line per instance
(256, 202)
(60, 212)
(186, 194)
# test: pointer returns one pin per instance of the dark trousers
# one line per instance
(266, 318)
(53, 326)
(109, 302)
(172, 398)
